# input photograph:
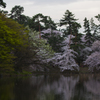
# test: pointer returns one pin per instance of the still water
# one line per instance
(51, 87)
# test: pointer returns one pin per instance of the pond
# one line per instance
(51, 87)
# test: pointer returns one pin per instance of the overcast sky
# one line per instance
(56, 8)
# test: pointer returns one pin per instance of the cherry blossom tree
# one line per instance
(96, 46)
(66, 59)
(93, 61)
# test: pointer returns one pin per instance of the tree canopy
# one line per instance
(37, 41)
(12, 37)
(2, 4)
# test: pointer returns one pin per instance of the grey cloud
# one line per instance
(38, 2)
(49, 2)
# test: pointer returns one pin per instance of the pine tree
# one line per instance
(16, 13)
(68, 20)
(98, 26)
(77, 36)
(40, 22)
(2, 3)
(72, 29)
(87, 30)
(94, 30)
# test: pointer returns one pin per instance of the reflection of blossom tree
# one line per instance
(63, 88)
(36, 80)
(93, 86)
(45, 87)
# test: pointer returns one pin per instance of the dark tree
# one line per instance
(87, 30)
(2, 4)
(24, 20)
(36, 22)
(54, 38)
(16, 13)
(4, 12)
(68, 20)
(49, 23)
(98, 17)
(40, 22)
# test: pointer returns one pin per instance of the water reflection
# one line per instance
(50, 87)
(6, 89)
(61, 89)
(93, 87)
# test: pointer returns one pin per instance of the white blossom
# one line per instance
(85, 52)
(96, 46)
(50, 31)
(67, 40)
(66, 60)
(83, 38)
(93, 61)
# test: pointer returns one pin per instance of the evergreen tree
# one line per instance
(2, 3)
(87, 30)
(4, 12)
(49, 23)
(94, 30)
(24, 20)
(36, 22)
(76, 44)
(98, 26)
(40, 22)
(72, 29)
(16, 13)
(68, 20)
(76, 41)
(93, 27)
(98, 17)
